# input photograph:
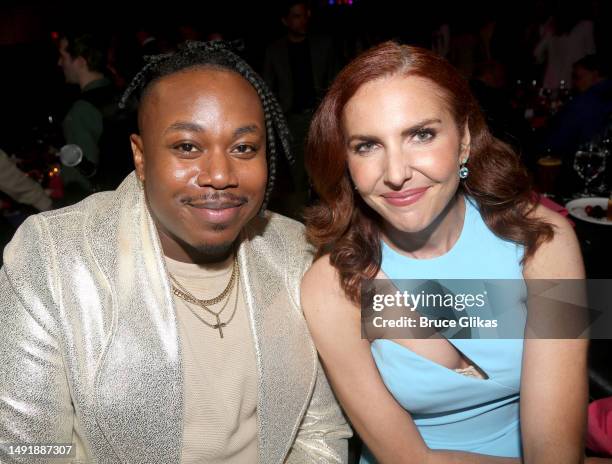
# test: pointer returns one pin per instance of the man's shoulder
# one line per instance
(320, 40)
(74, 228)
(78, 211)
(47, 233)
(81, 106)
(273, 225)
(82, 113)
(278, 45)
(278, 220)
(65, 228)
(100, 208)
(286, 235)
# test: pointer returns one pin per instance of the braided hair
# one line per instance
(219, 55)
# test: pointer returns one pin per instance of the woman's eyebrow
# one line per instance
(409, 130)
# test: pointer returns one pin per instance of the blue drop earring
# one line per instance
(463, 170)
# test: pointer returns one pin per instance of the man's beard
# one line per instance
(209, 253)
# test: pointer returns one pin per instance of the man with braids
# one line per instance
(161, 323)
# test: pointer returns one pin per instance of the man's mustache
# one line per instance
(214, 200)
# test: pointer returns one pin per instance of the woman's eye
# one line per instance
(424, 135)
(364, 147)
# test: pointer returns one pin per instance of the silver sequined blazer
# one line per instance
(88, 327)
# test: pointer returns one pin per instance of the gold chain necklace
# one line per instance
(219, 297)
(185, 295)
(219, 325)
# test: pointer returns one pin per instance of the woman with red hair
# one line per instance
(412, 185)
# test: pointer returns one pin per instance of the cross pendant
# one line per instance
(219, 325)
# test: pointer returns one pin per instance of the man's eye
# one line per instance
(424, 135)
(244, 148)
(186, 147)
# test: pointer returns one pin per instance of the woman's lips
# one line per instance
(405, 197)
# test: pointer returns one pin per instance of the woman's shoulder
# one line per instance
(563, 229)
(559, 257)
(321, 280)
(322, 296)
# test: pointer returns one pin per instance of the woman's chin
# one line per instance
(412, 225)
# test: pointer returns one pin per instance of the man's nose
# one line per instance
(217, 170)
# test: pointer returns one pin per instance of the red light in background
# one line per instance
(55, 35)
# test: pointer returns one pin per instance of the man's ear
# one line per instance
(138, 154)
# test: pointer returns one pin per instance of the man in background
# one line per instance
(583, 120)
(94, 121)
(298, 68)
(585, 117)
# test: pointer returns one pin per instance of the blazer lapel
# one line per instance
(286, 359)
(138, 384)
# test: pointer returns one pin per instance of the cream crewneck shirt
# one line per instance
(220, 374)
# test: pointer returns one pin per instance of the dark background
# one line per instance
(32, 86)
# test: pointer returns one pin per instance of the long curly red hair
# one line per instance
(342, 225)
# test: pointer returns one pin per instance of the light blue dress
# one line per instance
(453, 411)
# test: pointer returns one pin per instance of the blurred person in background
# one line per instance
(298, 68)
(489, 86)
(566, 38)
(16, 184)
(82, 58)
(94, 122)
(21, 188)
(587, 115)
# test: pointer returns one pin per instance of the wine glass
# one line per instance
(589, 163)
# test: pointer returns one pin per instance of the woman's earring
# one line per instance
(463, 170)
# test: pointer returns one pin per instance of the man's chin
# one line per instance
(211, 252)
(219, 227)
